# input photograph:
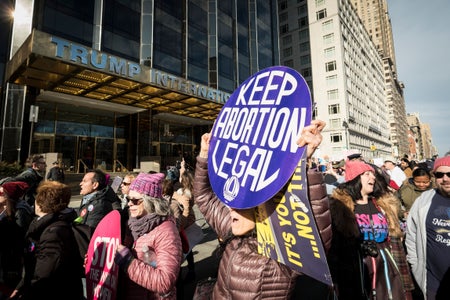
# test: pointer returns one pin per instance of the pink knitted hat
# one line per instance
(148, 184)
(442, 161)
(15, 189)
(354, 168)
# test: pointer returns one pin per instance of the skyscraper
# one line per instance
(334, 52)
(376, 20)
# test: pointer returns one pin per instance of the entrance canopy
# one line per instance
(54, 64)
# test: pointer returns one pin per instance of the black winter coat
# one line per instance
(103, 202)
(52, 261)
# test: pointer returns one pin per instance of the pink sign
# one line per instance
(101, 271)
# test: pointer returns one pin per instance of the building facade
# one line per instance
(376, 20)
(332, 49)
(113, 83)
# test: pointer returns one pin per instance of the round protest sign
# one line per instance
(101, 271)
(253, 149)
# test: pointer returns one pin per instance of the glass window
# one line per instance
(289, 63)
(320, 2)
(302, 22)
(335, 123)
(328, 38)
(68, 19)
(303, 47)
(321, 14)
(336, 137)
(302, 10)
(330, 66)
(287, 52)
(333, 109)
(332, 94)
(329, 52)
(284, 28)
(327, 25)
(305, 59)
(283, 17)
(331, 80)
(303, 34)
(287, 39)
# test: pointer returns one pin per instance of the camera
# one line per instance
(369, 248)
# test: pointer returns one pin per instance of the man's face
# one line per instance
(40, 165)
(443, 183)
(87, 185)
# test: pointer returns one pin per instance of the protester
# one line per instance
(420, 182)
(52, 260)
(98, 199)
(405, 165)
(360, 258)
(33, 175)
(56, 173)
(396, 174)
(125, 188)
(185, 199)
(427, 239)
(151, 255)
(243, 273)
(15, 217)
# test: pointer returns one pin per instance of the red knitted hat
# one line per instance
(442, 161)
(354, 168)
(15, 189)
(148, 184)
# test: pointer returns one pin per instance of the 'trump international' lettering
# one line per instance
(253, 150)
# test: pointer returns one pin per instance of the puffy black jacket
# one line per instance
(52, 261)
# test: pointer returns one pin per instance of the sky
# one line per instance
(422, 51)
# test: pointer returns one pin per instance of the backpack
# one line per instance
(82, 234)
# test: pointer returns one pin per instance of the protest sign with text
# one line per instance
(101, 271)
(287, 231)
(253, 150)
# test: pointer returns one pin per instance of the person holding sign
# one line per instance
(244, 273)
(52, 259)
(366, 258)
(151, 264)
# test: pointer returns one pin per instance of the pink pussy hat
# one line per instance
(442, 161)
(148, 184)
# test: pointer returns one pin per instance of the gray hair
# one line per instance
(156, 205)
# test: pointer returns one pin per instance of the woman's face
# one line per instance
(367, 182)
(2, 200)
(242, 221)
(422, 182)
(136, 205)
(126, 185)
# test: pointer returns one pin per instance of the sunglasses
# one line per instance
(126, 183)
(135, 201)
(441, 174)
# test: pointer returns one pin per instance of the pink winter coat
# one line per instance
(157, 278)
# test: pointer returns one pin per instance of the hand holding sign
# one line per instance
(311, 136)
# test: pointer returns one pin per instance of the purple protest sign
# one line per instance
(253, 150)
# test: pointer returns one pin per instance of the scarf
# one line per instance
(145, 224)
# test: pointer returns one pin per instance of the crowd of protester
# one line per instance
(385, 229)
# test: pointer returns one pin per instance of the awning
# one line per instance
(53, 64)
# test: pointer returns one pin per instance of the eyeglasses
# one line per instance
(126, 183)
(135, 201)
(441, 174)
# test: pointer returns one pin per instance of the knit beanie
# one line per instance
(354, 168)
(442, 161)
(148, 184)
(15, 189)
